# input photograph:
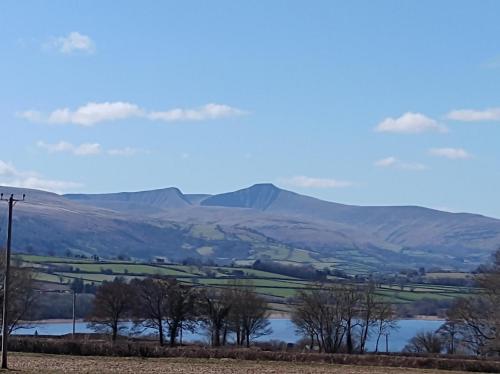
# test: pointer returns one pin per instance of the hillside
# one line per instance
(259, 222)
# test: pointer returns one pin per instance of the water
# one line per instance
(283, 329)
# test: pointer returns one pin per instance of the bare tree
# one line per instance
(22, 295)
(350, 298)
(335, 316)
(215, 306)
(367, 315)
(151, 305)
(385, 321)
(180, 311)
(249, 316)
(319, 313)
(113, 302)
(477, 318)
(425, 342)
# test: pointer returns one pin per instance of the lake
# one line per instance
(283, 329)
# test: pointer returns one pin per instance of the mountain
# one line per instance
(259, 222)
(143, 201)
(407, 227)
(259, 196)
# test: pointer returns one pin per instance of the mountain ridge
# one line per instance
(258, 222)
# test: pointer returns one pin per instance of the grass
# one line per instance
(44, 259)
(266, 283)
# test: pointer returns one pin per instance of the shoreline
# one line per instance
(272, 316)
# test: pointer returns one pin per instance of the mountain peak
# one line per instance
(165, 198)
(259, 196)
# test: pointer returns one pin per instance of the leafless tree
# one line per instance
(334, 316)
(385, 321)
(425, 342)
(22, 296)
(367, 314)
(113, 303)
(180, 311)
(249, 316)
(319, 313)
(152, 302)
(215, 306)
(477, 318)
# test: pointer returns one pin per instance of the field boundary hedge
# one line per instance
(145, 349)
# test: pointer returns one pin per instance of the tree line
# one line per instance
(341, 318)
(472, 324)
(169, 307)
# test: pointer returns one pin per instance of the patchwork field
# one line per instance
(61, 272)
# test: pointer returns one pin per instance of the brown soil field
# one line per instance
(41, 364)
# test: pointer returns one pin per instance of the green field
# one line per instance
(62, 271)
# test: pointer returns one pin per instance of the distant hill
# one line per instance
(259, 222)
(146, 201)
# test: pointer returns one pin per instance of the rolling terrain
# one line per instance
(259, 222)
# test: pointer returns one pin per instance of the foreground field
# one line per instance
(35, 363)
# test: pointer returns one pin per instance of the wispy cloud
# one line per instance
(209, 111)
(93, 113)
(310, 182)
(11, 176)
(450, 153)
(393, 162)
(126, 151)
(73, 42)
(410, 123)
(85, 149)
(472, 115)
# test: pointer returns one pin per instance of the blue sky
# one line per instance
(359, 102)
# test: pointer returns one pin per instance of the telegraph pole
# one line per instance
(11, 201)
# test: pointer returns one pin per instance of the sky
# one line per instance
(358, 102)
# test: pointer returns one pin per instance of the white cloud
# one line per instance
(38, 183)
(7, 169)
(450, 153)
(209, 111)
(73, 42)
(471, 115)
(85, 149)
(410, 123)
(309, 182)
(11, 176)
(393, 162)
(93, 113)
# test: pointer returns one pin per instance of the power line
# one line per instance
(11, 201)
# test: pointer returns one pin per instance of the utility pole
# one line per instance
(5, 326)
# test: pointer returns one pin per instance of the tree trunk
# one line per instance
(160, 332)
(349, 337)
(173, 334)
(114, 331)
(224, 339)
(216, 337)
(378, 339)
